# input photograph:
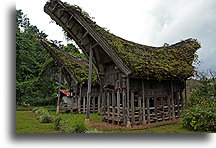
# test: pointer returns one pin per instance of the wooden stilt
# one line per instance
(128, 104)
(148, 110)
(143, 104)
(172, 101)
(58, 101)
(113, 106)
(89, 84)
(132, 108)
(99, 102)
(79, 100)
(124, 107)
(118, 103)
(155, 109)
(140, 110)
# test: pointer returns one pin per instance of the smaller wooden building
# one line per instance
(75, 71)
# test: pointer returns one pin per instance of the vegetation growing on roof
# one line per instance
(77, 67)
(166, 62)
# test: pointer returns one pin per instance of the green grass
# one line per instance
(26, 122)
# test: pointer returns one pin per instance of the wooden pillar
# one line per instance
(84, 104)
(108, 104)
(162, 104)
(113, 106)
(178, 97)
(58, 101)
(93, 104)
(99, 102)
(140, 109)
(148, 110)
(128, 104)
(89, 84)
(172, 101)
(155, 109)
(143, 104)
(79, 100)
(118, 103)
(124, 106)
(169, 107)
(132, 108)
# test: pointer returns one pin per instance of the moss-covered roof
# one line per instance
(168, 62)
(77, 67)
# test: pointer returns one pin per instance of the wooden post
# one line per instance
(58, 101)
(140, 110)
(113, 106)
(84, 104)
(148, 110)
(108, 104)
(155, 109)
(172, 101)
(124, 106)
(169, 107)
(89, 84)
(128, 106)
(79, 100)
(143, 105)
(99, 102)
(162, 104)
(132, 108)
(178, 103)
(93, 104)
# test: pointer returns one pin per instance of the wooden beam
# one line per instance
(148, 110)
(59, 87)
(89, 84)
(113, 106)
(79, 100)
(124, 106)
(128, 98)
(118, 102)
(143, 100)
(172, 101)
(155, 109)
(132, 108)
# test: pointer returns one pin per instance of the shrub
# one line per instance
(70, 124)
(43, 115)
(199, 119)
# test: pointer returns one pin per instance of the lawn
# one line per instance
(26, 122)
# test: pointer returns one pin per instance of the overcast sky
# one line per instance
(148, 22)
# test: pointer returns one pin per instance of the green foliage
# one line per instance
(199, 119)
(70, 125)
(201, 112)
(31, 86)
(43, 115)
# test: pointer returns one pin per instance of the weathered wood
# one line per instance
(132, 108)
(178, 107)
(118, 102)
(124, 107)
(162, 106)
(113, 106)
(172, 101)
(128, 99)
(84, 104)
(148, 110)
(108, 103)
(79, 100)
(155, 109)
(143, 100)
(59, 87)
(169, 107)
(93, 104)
(140, 109)
(89, 84)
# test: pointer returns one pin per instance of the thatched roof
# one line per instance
(76, 67)
(167, 62)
